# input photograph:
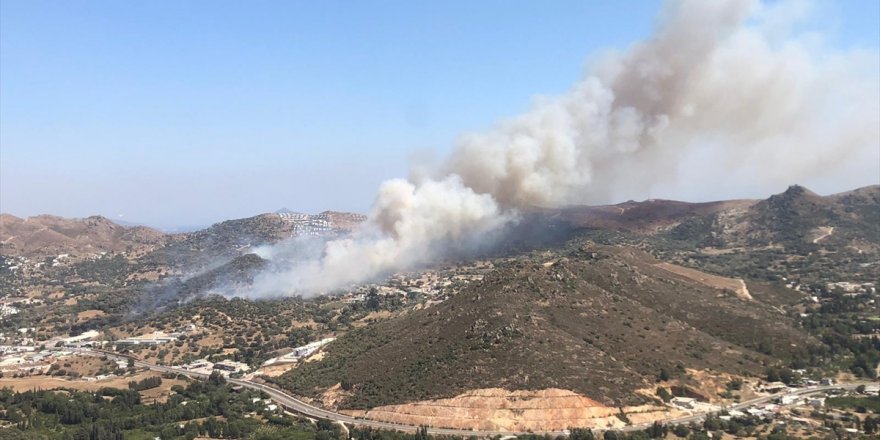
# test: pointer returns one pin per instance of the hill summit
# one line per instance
(46, 235)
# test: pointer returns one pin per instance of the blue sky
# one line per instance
(186, 113)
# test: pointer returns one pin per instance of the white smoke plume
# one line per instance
(721, 80)
(410, 226)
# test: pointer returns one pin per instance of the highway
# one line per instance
(293, 404)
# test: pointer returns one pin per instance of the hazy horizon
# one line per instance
(181, 115)
(187, 227)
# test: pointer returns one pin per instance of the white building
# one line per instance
(81, 337)
(155, 338)
(12, 361)
(202, 366)
(300, 352)
(7, 310)
(311, 348)
(228, 366)
(789, 399)
(872, 390)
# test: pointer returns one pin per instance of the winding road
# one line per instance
(293, 404)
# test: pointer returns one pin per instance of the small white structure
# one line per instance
(300, 352)
(226, 367)
(81, 337)
(789, 399)
(16, 348)
(683, 402)
(757, 412)
(7, 310)
(309, 349)
(155, 338)
(816, 402)
(11, 361)
(872, 390)
(773, 387)
(201, 366)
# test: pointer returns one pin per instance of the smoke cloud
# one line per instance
(722, 81)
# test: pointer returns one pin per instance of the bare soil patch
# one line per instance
(498, 409)
(162, 392)
(735, 285)
(86, 315)
(47, 383)
(372, 317)
(276, 370)
(86, 365)
(210, 341)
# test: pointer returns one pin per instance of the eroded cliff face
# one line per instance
(495, 409)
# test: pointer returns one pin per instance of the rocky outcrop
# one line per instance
(495, 409)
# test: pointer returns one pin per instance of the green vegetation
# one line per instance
(590, 312)
(146, 384)
(532, 326)
(209, 408)
(859, 404)
(835, 322)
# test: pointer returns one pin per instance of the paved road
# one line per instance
(295, 405)
(755, 401)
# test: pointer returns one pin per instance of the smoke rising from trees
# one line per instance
(724, 81)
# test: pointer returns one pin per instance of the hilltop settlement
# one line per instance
(654, 319)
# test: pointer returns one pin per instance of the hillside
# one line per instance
(229, 239)
(48, 235)
(45, 252)
(602, 322)
(797, 219)
(597, 320)
(238, 272)
(582, 316)
(648, 217)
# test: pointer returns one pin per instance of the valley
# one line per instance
(588, 317)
